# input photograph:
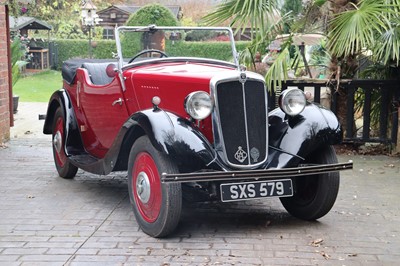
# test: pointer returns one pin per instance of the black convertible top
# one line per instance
(69, 67)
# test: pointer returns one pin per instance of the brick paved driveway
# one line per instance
(46, 220)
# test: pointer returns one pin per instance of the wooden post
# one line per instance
(397, 148)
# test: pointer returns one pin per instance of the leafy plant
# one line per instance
(19, 57)
(320, 58)
(256, 14)
(260, 16)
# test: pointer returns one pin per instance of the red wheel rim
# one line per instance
(146, 187)
(58, 140)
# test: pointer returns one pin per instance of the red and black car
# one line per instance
(185, 127)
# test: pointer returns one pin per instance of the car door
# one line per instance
(105, 112)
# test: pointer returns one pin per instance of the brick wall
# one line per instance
(4, 82)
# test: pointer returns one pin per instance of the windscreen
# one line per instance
(138, 44)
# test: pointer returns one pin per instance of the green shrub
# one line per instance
(68, 49)
(152, 14)
(217, 50)
(148, 15)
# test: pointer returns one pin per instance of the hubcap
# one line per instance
(146, 187)
(59, 153)
(57, 141)
(143, 187)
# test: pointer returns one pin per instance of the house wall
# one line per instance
(119, 18)
(4, 79)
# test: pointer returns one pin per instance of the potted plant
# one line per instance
(19, 58)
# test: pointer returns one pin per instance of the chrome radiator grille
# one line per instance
(241, 122)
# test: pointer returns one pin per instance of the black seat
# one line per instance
(97, 73)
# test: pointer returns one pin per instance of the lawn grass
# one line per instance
(38, 87)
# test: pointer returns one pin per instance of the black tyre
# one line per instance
(157, 206)
(314, 195)
(64, 167)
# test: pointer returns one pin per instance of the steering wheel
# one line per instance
(148, 52)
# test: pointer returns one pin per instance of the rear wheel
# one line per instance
(64, 168)
(314, 195)
(157, 206)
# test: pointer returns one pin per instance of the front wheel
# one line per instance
(314, 195)
(64, 167)
(157, 206)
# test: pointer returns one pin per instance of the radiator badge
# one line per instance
(255, 154)
(242, 77)
(240, 155)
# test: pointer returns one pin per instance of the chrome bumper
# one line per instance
(255, 174)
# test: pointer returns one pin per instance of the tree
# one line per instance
(257, 15)
(293, 6)
(358, 28)
(365, 25)
(62, 15)
(148, 15)
(354, 26)
(260, 16)
(152, 14)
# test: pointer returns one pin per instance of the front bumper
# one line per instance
(263, 174)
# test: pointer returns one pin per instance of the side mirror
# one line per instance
(111, 70)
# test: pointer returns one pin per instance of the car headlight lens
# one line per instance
(199, 105)
(292, 101)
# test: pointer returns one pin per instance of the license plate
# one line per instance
(255, 190)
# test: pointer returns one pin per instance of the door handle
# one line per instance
(118, 101)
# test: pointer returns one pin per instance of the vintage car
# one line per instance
(187, 128)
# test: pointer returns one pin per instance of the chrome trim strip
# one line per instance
(246, 125)
(255, 174)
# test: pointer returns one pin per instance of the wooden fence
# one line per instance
(371, 108)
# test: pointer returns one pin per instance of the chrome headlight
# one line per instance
(199, 105)
(292, 101)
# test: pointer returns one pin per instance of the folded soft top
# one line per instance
(69, 67)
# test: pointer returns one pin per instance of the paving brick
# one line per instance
(78, 259)
(139, 245)
(233, 246)
(149, 260)
(60, 251)
(103, 263)
(56, 259)
(87, 251)
(7, 259)
(100, 245)
(189, 245)
(38, 263)
(24, 251)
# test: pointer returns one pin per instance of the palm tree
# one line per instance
(354, 26)
(364, 25)
(357, 27)
(260, 16)
(256, 14)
